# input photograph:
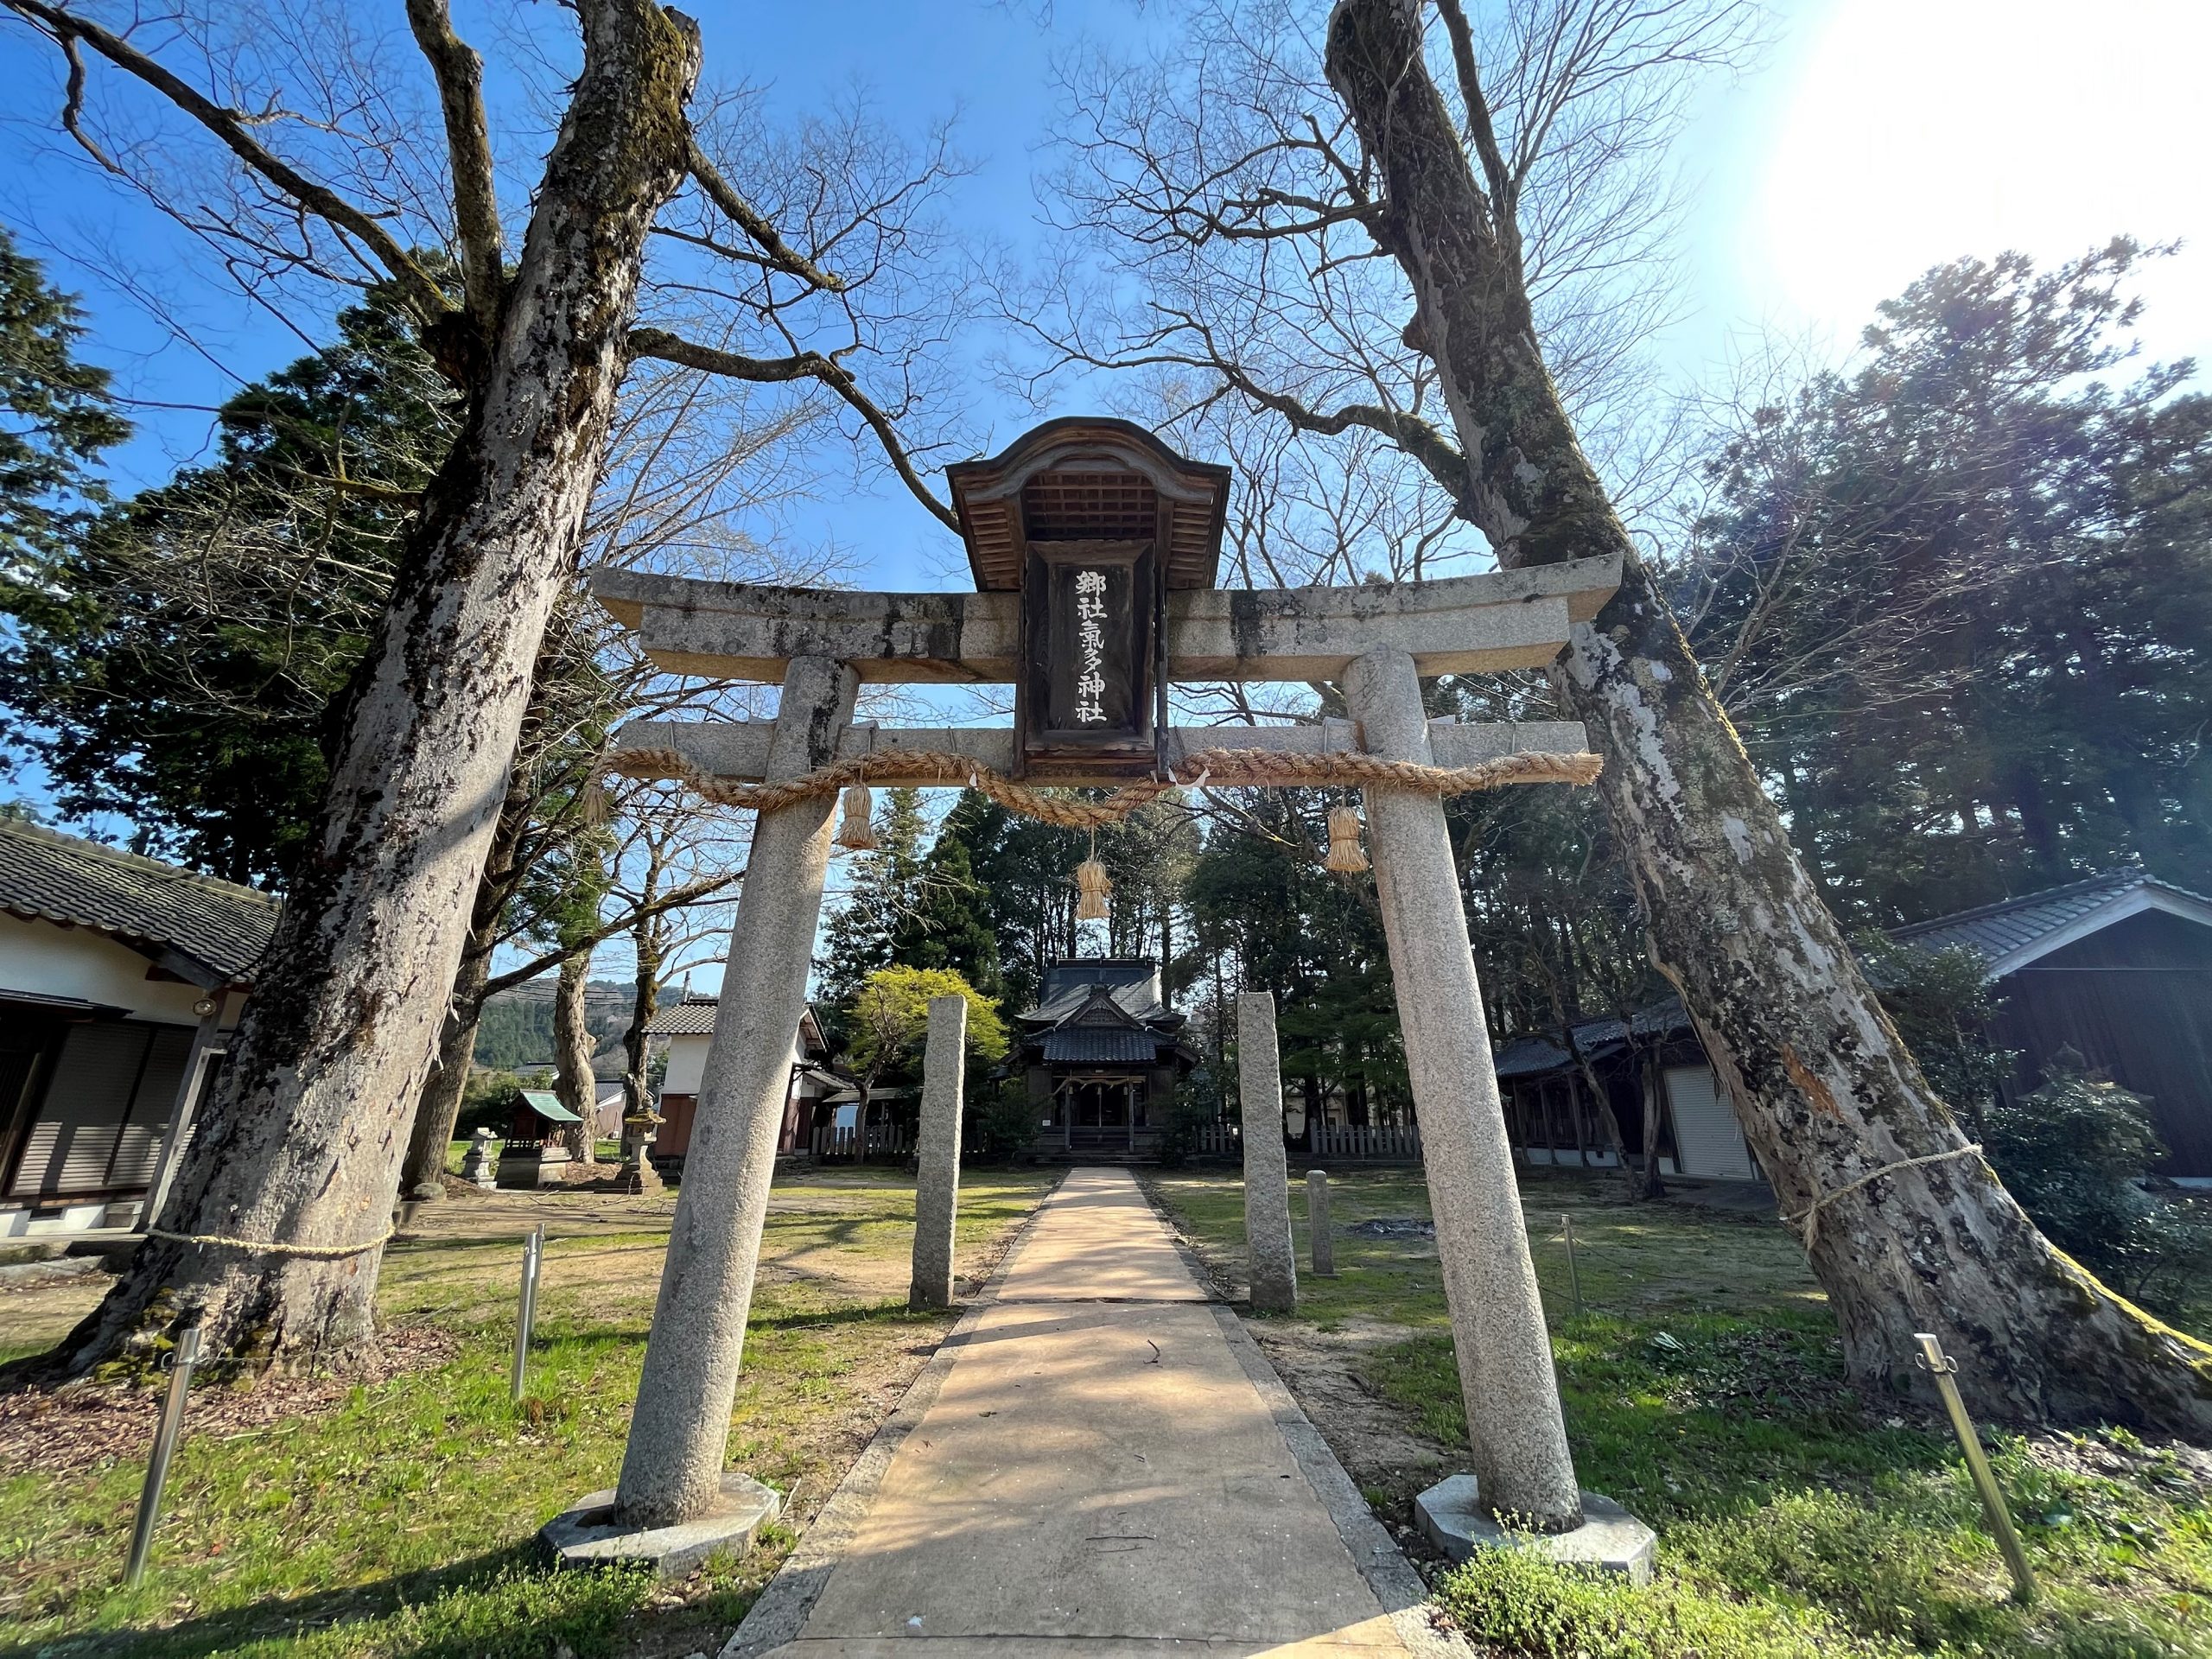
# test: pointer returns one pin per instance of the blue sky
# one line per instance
(1877, 137)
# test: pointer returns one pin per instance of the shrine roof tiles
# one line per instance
(1141, 1001)
(1101, 1045)
(2015, 931)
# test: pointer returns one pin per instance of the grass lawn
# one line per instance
(397, 1518)
(1703, 1389)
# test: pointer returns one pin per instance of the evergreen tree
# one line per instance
(1266, 916)
(183, 659)
(56, 417)
(1025, 876)
(950, 926)
(1960, 600)
(884, 888)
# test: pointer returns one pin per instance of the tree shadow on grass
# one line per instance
(504, 1604)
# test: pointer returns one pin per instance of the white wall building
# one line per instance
(120, 978)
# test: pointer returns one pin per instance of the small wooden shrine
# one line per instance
(1100, 1055)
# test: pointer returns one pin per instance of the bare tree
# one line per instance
(690, 458)
(343, 179)
(1337, 214)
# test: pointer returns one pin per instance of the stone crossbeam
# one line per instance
(738, 750)
(1462, 625)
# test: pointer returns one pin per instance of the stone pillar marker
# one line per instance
(1267, 1168)
(936, 1153)
(1522, 1464)
(1319, 1239)
(679, 1434)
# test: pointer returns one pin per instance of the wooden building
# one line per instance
(1653, 1072)
(688, 1028)
(1102, 1054)
(120, 978)
(2118, 968)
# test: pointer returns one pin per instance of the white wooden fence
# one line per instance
(1340, 1145)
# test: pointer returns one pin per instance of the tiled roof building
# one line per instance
(117, 976)
(1101, 1054)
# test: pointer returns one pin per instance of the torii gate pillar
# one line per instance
(672, 1468)
(1522, 1464)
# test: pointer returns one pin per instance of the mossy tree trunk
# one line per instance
(438, 1108)
(572, 1050)
(1827, 1094)
(303, 1144)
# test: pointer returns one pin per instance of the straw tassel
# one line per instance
(1344, 841)
(1092, 889)
(857, 832)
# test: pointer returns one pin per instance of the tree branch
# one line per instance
(756, 224)
(1437, 454)
(1505, 206)
(460, 75)
(675, 899)
(229, 127)
(803, 365)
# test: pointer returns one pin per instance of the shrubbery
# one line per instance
(2073, 1153)
(1196, 1105)
(1005, 1121)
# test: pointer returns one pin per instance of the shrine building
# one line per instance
(1101, 1054)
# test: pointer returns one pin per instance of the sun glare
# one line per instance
(1917, 131)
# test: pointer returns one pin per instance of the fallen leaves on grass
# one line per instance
(86, 1425)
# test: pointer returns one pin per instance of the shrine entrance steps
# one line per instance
(1057, 1157)
(1099, 1462)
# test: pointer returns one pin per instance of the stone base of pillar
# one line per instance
(1451, 1515)
(590, 1535)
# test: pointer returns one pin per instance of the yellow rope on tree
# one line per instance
(270, 1247)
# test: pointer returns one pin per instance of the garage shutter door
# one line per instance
(1707, 1138)
(140, 1144)
(100, 1126)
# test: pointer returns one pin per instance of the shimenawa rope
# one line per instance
(1250, 768)
(1810, 1214)
(270, 1247)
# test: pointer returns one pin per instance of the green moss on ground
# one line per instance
(1703, 1386)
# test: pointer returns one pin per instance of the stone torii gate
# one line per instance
(1095, 549)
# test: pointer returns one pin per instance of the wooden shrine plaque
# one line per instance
(1085, 702)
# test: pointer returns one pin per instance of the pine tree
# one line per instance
(950, 924)
(183, 659)
(884, 887)
(56, 417)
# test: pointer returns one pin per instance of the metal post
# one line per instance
(533, 1252)
(1573, 1273)
(1933, 1360)
(157, 1468)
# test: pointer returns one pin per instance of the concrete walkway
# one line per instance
(1098, 1463)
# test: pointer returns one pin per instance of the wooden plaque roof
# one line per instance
(1090, 478)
